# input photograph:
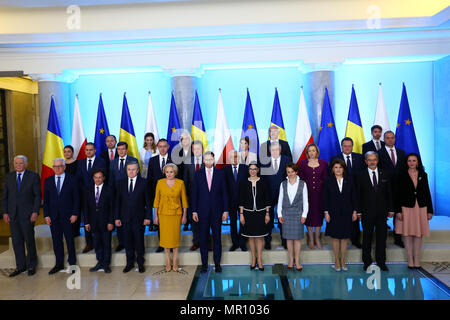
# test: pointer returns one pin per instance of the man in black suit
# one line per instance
(264, 150)
(61, 210)
(118, 172)
(274, 172)
(84, 177)
(374, 203)
(235, 174)
(99, 214)
(21, 203)
(392, 161)
(132, 213)
(355, 165)
(111, 153)
(196, 163)
(375, 144)
(154, 173)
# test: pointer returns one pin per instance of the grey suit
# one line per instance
(19, 205)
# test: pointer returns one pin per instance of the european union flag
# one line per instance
(174, 129)
(249, 126)
(277, 117)
(101, 129)
(328, 140)
(405, 136)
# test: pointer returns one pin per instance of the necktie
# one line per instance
(209, 179)
(276, 165)
(393, 157)
(131, 187)
(89, 165)
(97, 195)
(378, 145)
(349, 164)
(374, 179)
(121, 165)
(111, 155)
(197, 166)
(163, 163)
(58, 185)
(19, 180)
(235, 174)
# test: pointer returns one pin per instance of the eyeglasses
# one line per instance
(59, 166)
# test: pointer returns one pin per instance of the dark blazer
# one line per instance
(335, 202)
(189, 178)
(155, 173)
(25, 201)
(285, 149)
(104, 209)
(385, 161)
(370, 146)
(273, 179)
(371, 203)
(357, 163)
(408, 194)
(132, 208)
(233, 185)
(105, 156)
(206, 202)
(84, 176)
(263, 196)
(114, 174)
(65, 205)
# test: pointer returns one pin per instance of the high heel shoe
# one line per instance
(289, 268)
(252, 267)
(299, 269)
(260, 268)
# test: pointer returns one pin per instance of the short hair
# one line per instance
(132, 162)
(254, 163)
(346, 139)
(273, 128)
(312, 145)
(90, 144)
(197, 142)
(246, 139)
(389, 131)
(97, 170)
(111, 135)
(340, 162)
(174, 167)
(208, 153)
(21, 156)
(122, 143)
(376, 127)
(185, 134)
(69, 147)
(59, 159)
(293, 166)
(275, 144)
(162, 140)
(369, 153)
(233, 151)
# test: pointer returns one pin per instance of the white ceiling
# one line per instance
(66, 3)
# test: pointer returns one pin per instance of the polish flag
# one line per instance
(222, 136)
(381, 117)
(303, 133)
(78, 137)
(150, 124)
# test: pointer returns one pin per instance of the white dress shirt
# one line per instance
(61, 181)
(212, 173)
(124, 162)
(340, 183)
(345, 158)
(375, 143)
(134, 183)
(198, 160)
(292, 191)
(371, 175)
(161, 159)
(388, 149)
(278, 162)
(100, 187)
(92, 162)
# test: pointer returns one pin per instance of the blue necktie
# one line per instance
(58, 185)
(89, 165)
(19, 180)
(235, 173)
(349, 164)
(131, 187)
(163, 163)
(121, 165)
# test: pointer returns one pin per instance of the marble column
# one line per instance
(184, 92)
(314, 90)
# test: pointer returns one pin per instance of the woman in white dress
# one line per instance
(149, 150)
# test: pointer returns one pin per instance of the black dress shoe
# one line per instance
(409, 267)
(244, 249)
(399, 243)
(357, 244)
(31, 271)
(97, 267)
(88, 248)
(128, 268)
(160, 249)
(17, 272)
(119, 248)
(268, 246)
(366, 266)
(155, 227)
(218, 268)
(252, 267)
(233, 247)
(261, 269)
(107, 269)
(186, 227)
(56, 269)
(204, 268)
(194, 247)
(383, 267)
(141, 268)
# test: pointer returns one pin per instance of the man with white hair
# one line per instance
(21, 202)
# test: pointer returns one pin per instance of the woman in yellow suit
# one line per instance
(170, 212)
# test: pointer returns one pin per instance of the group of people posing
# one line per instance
(184, 187)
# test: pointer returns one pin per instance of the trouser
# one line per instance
(236, 237)
(211, 222)
(87, 234)
(356, 232)
(62, 227)
(102, 243)
(194, 228)
(133, 234)
(22, 233)
(368, 224)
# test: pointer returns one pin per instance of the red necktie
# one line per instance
(197, 166)
(111, 155)
(393, 156)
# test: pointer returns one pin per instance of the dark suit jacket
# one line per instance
(285, 149)
(370, 203)
(132, 208)
(337, 203)
(206, 202)
(233, 185)
(154, 173)
(385, 161)
(84, 176)
(105, 156)
(358, 163)
(370, 146)
(408, 194)
(25, 201)
(65, 205)
(104, 209)
(114, 174)
(273, 180)
(189, 178)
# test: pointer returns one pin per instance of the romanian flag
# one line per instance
(101, 129)
(277, 117)
(174, 127)
(198, 127)
(127, 131)
(54, 147)
(328, 142)
(249, 126)
(354, 126)
(405, 136)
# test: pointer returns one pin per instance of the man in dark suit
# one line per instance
(210, 208)
(61, 210)
(274, 172)
(99, 214)
(355, 165)
(155, 172)
(21, 203)
(117, 172)
(375, 144)
(264, 150)
(111, 153)
(132, 213)
(84, 177)
(392, 161)
(235, 174)
(374, 203)
(190, 169)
